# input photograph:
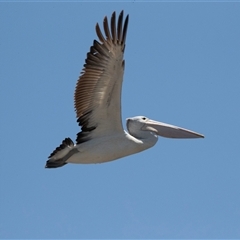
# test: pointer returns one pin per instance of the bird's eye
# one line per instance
(143, 118)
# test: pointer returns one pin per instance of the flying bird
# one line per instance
(98, 107)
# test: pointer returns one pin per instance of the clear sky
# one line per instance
(182, 67)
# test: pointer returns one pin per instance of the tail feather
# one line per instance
(56, 158)
(54, 164)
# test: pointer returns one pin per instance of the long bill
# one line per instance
(170, 131)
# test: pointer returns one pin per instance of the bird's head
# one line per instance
(140, 126)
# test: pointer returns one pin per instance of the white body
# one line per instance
(110, 148)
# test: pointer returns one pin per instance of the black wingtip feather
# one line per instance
(54, 164)
(66, 142)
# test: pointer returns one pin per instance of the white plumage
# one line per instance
(98, 107)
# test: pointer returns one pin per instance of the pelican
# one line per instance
(98, 107)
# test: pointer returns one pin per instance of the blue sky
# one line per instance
(182, 67)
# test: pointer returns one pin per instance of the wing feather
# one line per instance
(106, 29)
(98, 90)
(119, 27)
(113, 27)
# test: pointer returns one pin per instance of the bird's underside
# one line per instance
(98, 150)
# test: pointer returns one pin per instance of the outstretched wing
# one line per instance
(98, 90)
